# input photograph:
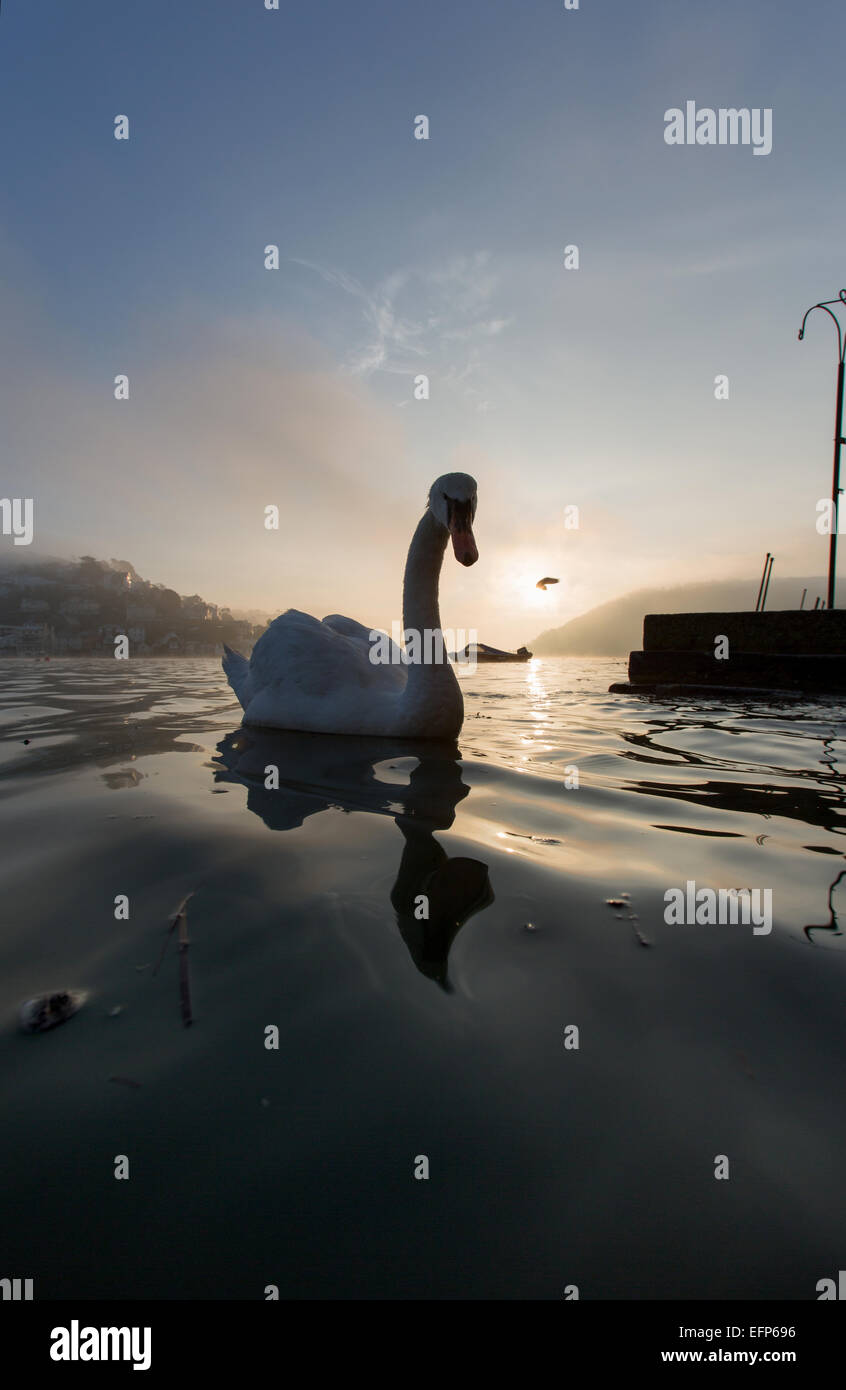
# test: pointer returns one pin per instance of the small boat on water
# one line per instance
(479, 651)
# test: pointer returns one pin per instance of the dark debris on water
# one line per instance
(624, 901)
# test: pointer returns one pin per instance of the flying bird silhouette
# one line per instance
(542, 583)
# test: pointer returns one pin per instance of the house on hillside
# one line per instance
(26, 639)
(80, 607)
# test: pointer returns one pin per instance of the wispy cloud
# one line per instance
(433, 320)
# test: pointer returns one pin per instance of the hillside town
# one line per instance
(79, 607)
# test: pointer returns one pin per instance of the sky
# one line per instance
(294, 387)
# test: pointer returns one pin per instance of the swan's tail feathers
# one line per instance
(237, 669)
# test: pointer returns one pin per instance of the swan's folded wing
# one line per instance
(348, 627)
(319, 660)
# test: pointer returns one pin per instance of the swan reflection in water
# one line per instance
(319, 771)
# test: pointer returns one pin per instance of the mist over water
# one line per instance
(401, 1037)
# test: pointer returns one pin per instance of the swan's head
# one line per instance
(452, 501)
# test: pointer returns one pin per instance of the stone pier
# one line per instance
(791, 652)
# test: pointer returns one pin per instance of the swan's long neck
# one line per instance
(432, 696)
(422, 574)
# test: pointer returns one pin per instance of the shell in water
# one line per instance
(48, 1010)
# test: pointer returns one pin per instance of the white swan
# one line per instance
(318, 676)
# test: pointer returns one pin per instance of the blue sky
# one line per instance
(248, 387)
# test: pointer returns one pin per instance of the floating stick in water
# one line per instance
(184, 973)
(180, 921)
(624, 900)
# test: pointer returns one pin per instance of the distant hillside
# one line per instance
(616, 628)
(65, 607)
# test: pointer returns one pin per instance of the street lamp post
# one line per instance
(838, 433)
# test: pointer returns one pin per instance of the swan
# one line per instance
(318, 676)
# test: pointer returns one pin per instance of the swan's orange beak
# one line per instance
(464, 545)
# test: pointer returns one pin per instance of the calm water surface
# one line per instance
(399, 1038)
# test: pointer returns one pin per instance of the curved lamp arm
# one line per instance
(841, 299)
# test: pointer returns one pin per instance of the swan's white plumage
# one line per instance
(318, 676)
(327, 684)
